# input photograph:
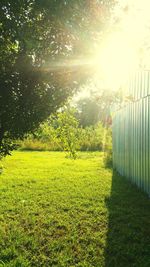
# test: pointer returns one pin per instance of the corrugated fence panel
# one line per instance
(131, 133)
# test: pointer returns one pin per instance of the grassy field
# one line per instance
(58, 212)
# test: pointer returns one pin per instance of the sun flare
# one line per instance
(115, 60)
(120, 53)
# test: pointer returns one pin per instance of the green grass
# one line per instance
(59, 212)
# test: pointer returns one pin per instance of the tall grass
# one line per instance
(33, 144)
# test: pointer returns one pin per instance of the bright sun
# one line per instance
(119, 54)
(115, 60)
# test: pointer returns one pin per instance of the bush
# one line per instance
(92, 138)
(62, 132)
(34, 144)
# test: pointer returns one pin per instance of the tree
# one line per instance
(96, 106)
(68, 131)
(35, 37)
(88, 111)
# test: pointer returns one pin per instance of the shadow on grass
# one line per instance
(128, 237)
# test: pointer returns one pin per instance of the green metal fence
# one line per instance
(131, 133)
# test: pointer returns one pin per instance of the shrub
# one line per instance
(62, 132)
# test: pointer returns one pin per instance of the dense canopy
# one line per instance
(35, 38)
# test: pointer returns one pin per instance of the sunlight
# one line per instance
(115, 60)
(123, 51)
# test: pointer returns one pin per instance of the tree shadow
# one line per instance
(128, 237)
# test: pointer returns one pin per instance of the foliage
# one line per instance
(33, 144)
(97, 106)
(108, 152)
(92, 138)
(60, 212)
(62, 132)
(88, 111)
(37, 38)
(68, 132)
(6, 145)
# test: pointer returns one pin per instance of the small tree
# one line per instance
(68, 132)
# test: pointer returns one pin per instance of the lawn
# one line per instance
(59, 212)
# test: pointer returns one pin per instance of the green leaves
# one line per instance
(68, 132)
(35, 36)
